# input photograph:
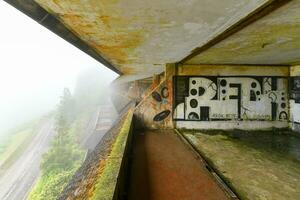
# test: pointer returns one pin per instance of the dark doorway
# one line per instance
(204, 113)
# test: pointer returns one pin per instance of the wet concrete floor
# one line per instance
(164, 168)
(258, 165)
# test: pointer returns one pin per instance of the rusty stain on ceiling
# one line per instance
(272, 40)
(140, 37)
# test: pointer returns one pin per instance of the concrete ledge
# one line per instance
(229, 125)
(109, 184)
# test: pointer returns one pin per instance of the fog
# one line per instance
(35, 66)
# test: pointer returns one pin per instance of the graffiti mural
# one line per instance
(161, 98)
(213, 98)
(154, 111)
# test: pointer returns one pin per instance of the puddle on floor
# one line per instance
(258, 165)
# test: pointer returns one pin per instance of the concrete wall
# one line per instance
(154, 111)
(295, 98)
(222, 97)
(228, 97)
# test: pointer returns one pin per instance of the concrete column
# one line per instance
(295, 97)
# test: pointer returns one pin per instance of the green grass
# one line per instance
(50, 186)
(14, 144)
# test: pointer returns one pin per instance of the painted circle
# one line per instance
(193, 116)
(193, 82)
(257, 92)
(223, 91)
(283, 115)
(283, 105)
(223, 82)
(282, 98)
(164, 92)
(253, 85)
(194, 103)
(193, 91)
(201, 91)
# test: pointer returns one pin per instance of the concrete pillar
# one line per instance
(295, 97)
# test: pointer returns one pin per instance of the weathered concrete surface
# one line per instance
(274, 39)
(140, 37)
(165, 168)
(232, 70)
(258, 165)
(154, 111)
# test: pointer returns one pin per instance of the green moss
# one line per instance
(260, 165)
(106, 183)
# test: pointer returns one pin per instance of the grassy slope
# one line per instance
(12, 147)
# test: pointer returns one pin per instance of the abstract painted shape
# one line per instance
(161, 116)
(156, 96)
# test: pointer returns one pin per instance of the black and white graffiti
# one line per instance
(213, 98)
(161, 99)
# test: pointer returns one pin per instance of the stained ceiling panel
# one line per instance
(140, 37)
(273, 39)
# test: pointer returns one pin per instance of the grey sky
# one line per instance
(35, 65)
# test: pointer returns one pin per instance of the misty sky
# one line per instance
(35, 66)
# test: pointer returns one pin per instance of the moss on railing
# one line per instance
(107, 182)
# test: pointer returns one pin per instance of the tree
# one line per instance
(64, 154)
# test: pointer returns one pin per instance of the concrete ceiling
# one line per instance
(139, 37)
(273, 39)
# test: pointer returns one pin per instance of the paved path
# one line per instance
(163, 167)
(20, 177)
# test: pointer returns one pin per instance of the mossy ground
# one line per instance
(259, 166)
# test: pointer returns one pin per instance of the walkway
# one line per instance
(164, 168)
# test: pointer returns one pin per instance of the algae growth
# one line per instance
(107, 182)
(258, 165)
